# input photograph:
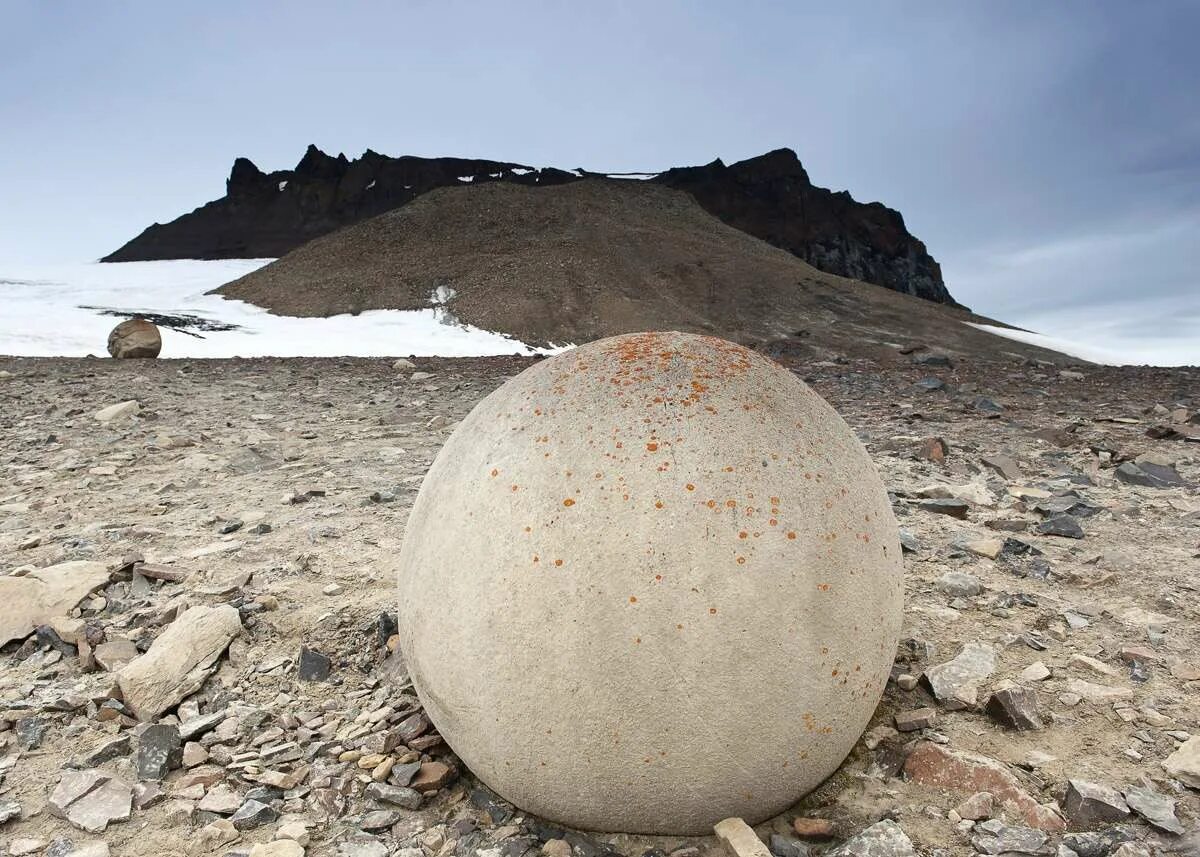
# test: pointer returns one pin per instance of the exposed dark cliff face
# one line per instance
(769, 197)
(772, 198)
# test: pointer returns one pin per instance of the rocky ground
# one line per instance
(211, 675)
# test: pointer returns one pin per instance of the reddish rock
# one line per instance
(967, 773)
(813, 828)
(432, 776)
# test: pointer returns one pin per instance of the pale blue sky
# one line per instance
(1047, 153)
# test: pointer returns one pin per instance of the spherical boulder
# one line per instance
(651, 583)
(134, 338)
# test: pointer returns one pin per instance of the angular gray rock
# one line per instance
(955, 683)
(1158, 809)
(995, 837)
(1092, 804)
(959, 584)
(405, 798)
(1066, 526)
(881, 839)
(253, 814)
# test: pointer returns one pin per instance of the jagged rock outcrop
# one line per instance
(772, 198)
(769, 197)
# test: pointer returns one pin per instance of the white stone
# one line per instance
(117, 411)
(624, 559)
(45, 594)
(1184, 763)
(179, 660)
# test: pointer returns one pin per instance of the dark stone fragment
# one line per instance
(930, 384)
(1061, 525)
(106, 752)
(497, 808)
(313, 665)
(253, 814)
(229, 527)
(30, 732)
(948, 506)
(987, 406)
(1091, 804)
(159, 752)
(1150, 475)
(1099, 843)
(48, 638)
(1015, 708)
(385, 627)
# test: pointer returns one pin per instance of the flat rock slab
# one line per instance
(45, 594)
(968, 773)
(179, 661)
(91, 799)
(956, 682)
(1158, 809)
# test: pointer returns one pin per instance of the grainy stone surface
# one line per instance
(640, 501)
(195, 456)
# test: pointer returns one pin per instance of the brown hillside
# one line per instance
(591, 259)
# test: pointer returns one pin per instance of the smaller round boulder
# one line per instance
(134, 338)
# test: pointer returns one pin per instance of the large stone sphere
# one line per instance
(134, 338)
(651, 583)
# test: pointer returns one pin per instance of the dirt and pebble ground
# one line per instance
(273, 494)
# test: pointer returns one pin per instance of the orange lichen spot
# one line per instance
(712, 611)
(537, 411)
(690, 487)
(535, 558)
(824, 587)
(658, 577)
(638, 640)
(711, 503)
(633, 599)
(743, 534)
(741, 560)
(791, 534)
(678, 627)
(599, 475)
(824, 650)
(653, 447)
(732, 504)
(513, 487)
(558, 563)
(773, 522)
(568, 502)
(495, 472)
(728, 468)
(834, 673)
(529, 529)
(774, 501)
(658, 504)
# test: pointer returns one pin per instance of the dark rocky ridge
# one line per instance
(769, 197)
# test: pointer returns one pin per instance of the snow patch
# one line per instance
(467, 179)
(282, 185)
(632, 176)
(60, 311)
(1075, 349)
(371, 185)
(520, 171)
